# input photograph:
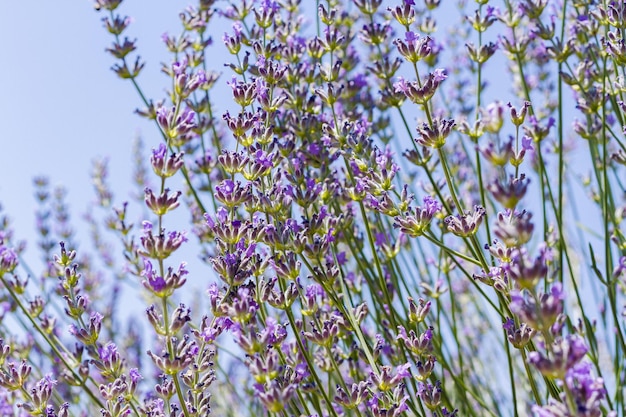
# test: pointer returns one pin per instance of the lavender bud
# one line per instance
(324, 336)
(511, 193)
(434, 136)
(465, 224)
(274, 397)
(155, 320)
(358, 394)
(518, 336)
(518, 116)
(369, 7)
(327, 17)
(418, 345)
(387, 380)
(425, 369)
(165, 166)
(232, 193)
(162, 204)
(500, 251)
(526, 272)
(110, 362)
(8, 260)
(5, 349)
(514, 228)
(565, 354)
(405, 14)
(163, 286)
(417, 223)
(166, 389)
(375, 33)
(117, 25)
(430, 394)
(233, 162)
(417, 313)
(176, 124)
(180, 317)
(14, 377)
(421, 94)
(160, 246)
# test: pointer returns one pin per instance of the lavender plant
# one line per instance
(399, 208)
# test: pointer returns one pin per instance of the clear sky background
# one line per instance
(62, 106)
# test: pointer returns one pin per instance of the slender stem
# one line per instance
(50, 343)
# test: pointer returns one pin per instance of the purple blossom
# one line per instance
(314, 149)
(222, 215)
(439, 75)
(159, 153)
(154, 281)
(264, 159)
(261, 90)
(209, 221)
(269, 6)
(217, 327)
(417, 223)
(400, 86)
(565, 354)
(527, 143)
(147, 226)
(135, 376)
(380, 239)
(411, 37)
(226, 187)
(302, 370)
(180, 67)
(8, 259)
(107, 352)
(314, 290)
(431, 206)
(586, 394)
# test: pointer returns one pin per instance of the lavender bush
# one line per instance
(403, 208)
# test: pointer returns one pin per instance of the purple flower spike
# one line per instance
(8, 260)
(107, 352)
(153, 282)
(565, 354)
(417, 223)
(465, 224)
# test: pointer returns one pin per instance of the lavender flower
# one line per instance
(565, 353)
(417, 224)
(163, 165)
(300, 207)
(8, 260)
(430, 395)
(465, 224)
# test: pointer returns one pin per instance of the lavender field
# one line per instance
(342, 208)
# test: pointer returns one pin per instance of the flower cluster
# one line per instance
(365, 233)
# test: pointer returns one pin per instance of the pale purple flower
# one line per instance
(154, 281)
(134, 374)
(107, 352)
(8, 260)
(439, 75)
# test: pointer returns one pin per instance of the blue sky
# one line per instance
(61, 104)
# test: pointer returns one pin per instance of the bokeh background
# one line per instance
(62, 107)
